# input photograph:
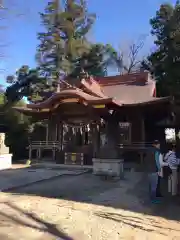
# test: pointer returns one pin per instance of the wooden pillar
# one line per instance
(59, 148)
(30, 152)
(52, 129)
(47, 133)
(94, 134)
(112, 132)
(56, 131)
(142, 139)
(61, 134)
(39, 153)
(54, 152)
(83, 130)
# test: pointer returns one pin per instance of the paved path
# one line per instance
(13, 178)
(85, 207)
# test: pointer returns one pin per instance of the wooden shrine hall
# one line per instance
(105, 117)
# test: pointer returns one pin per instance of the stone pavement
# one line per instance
(15, 178)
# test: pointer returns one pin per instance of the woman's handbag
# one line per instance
(166, 172)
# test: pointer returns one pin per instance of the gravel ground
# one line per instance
(86, 208)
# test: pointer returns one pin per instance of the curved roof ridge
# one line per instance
(78, 93)
(92, 86)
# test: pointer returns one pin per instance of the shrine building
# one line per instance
(110, 117)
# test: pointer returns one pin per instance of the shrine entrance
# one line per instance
(77, 144)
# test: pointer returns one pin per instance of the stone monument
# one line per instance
(107, 161)
(5, 156)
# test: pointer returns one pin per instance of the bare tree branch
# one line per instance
(129, 57)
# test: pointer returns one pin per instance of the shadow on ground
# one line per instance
(43, 226)
(136, 222)
(130, 193)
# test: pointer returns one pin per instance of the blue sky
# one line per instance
(115, 24)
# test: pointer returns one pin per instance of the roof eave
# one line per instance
(150, 102)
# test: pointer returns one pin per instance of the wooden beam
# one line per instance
(44, 110)
(99, 106)
(142, 130)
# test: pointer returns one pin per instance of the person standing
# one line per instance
(156, 176)
(173, 163)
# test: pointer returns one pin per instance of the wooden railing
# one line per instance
(44, 144)
(139, 146)
(56, 144)
(136, 146)
(142, 148)
(39, 146)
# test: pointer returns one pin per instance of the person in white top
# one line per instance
(173, 163)
(162, 164)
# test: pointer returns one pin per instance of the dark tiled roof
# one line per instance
(123, 90)
(130, 94)
(130, 88)
(139, 78)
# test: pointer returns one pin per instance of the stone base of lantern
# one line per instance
(109, 167)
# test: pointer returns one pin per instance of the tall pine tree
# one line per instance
(64, 40)
(62, 44)
(95, 62)
(164, 62)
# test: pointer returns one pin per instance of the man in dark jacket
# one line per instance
(157, 173)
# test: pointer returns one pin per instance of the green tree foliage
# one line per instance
(63, 49)
(164, 61)
(65, 38)
(20, 84)
(31, 84)
(95, 62)
(15, 125)
(26, 83)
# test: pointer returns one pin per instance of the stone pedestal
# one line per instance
(5, 156)
(5, 161)
(109, 167)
